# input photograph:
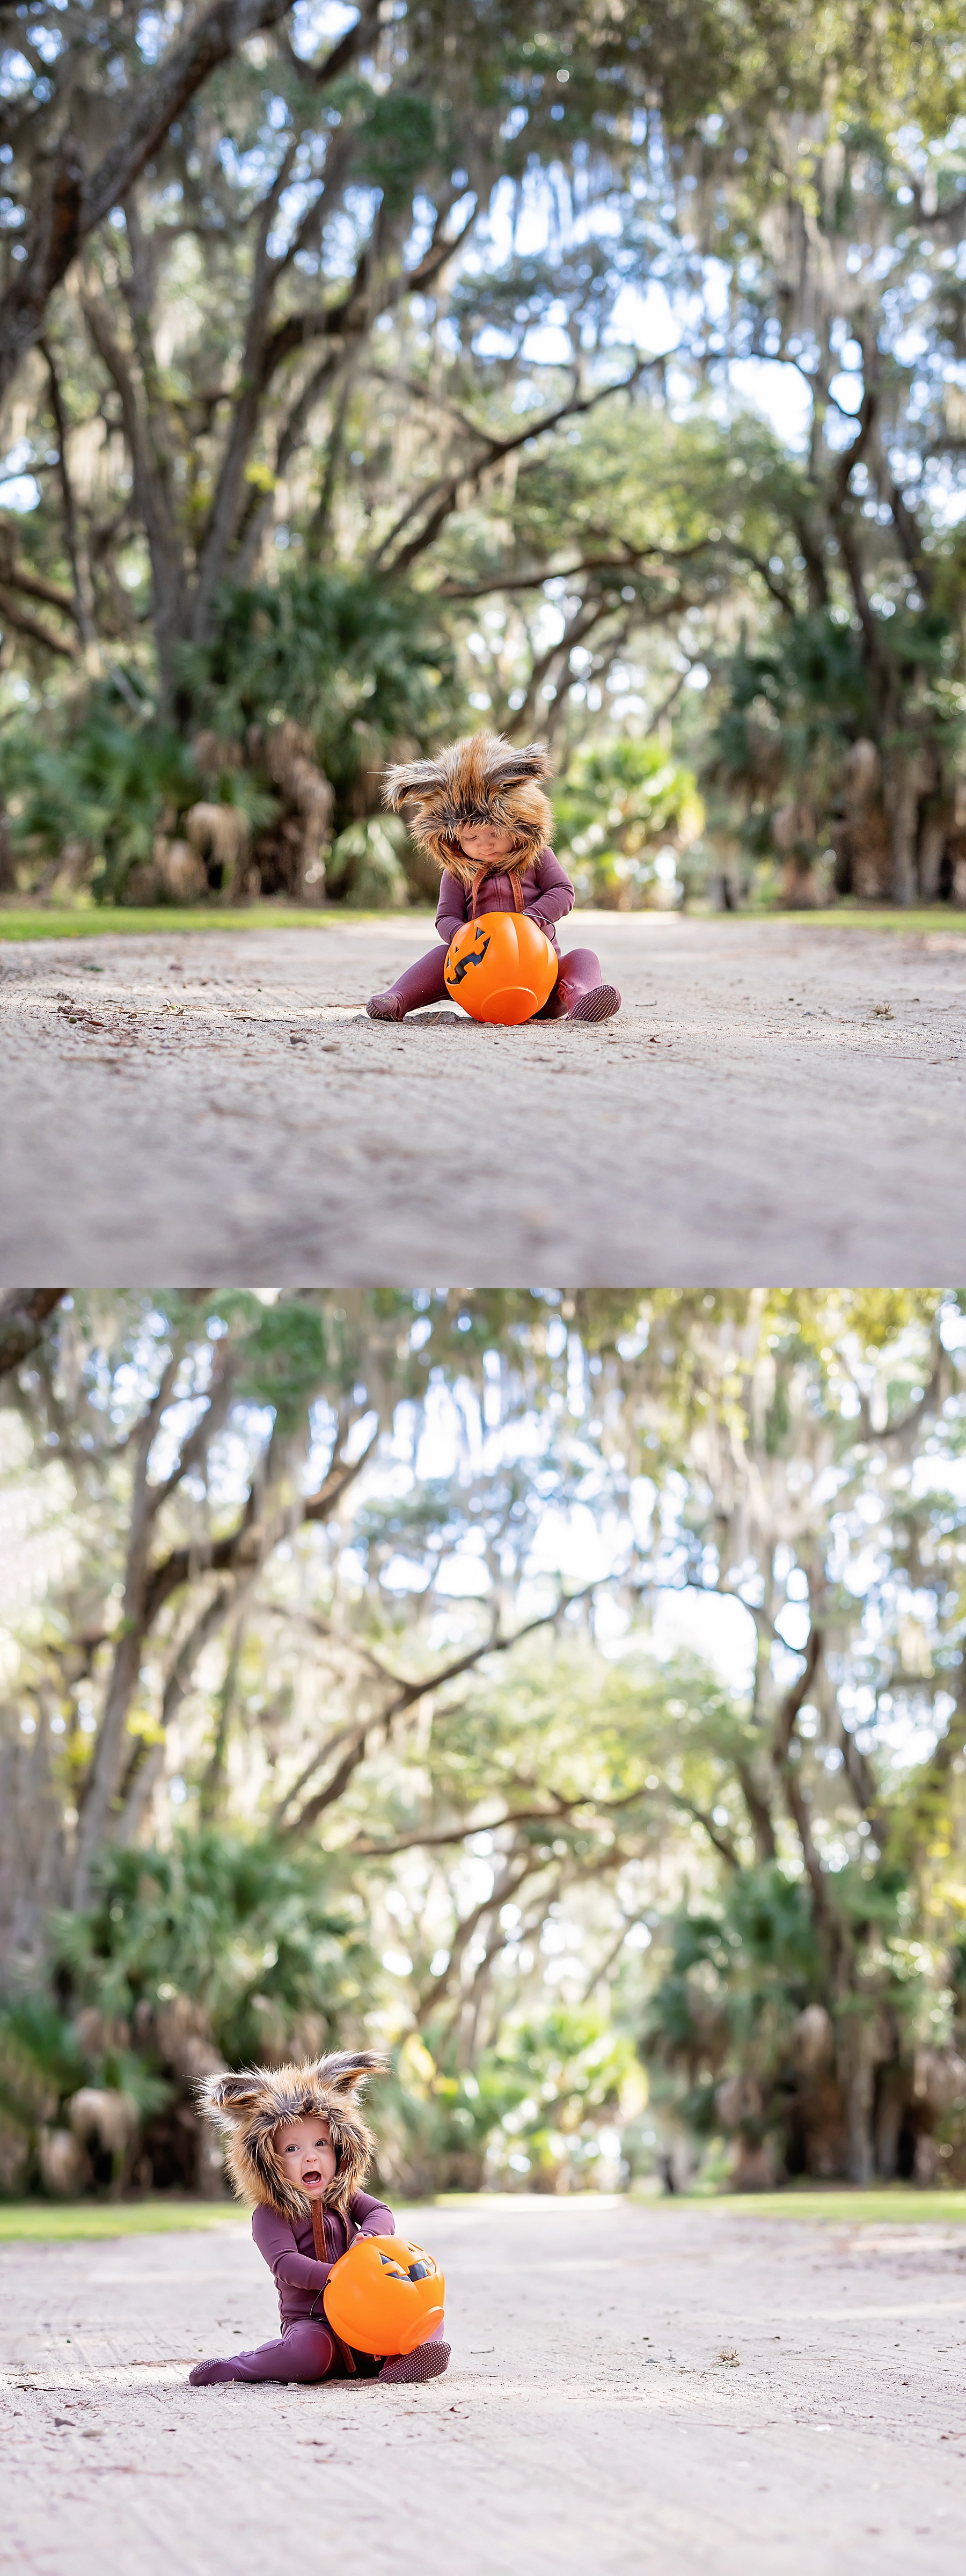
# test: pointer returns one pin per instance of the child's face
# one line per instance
(481, 844)
(306, 2154)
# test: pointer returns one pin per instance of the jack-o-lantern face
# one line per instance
(384, 2296)
(500, 967)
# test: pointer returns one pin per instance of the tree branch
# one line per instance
(24, 624)
(405, 1695)
(72, 204)
(79, 610)
(23, 1315)
(321, 75)
(448, 487)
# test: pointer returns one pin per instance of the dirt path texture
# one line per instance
(684, 2390)
(775, 1101)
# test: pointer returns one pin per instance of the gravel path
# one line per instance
(687, 2391)
(776, 1101)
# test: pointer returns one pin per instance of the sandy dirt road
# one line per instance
(777, 1101)
(687, 2392)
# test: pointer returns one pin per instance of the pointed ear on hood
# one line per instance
(506, 766)
(501, 765)
(347, 2070)
(480, 779)
(413, 778)
(231, 2095)
(251, 2106)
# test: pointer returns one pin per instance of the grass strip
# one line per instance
(48, 2222)
(893, 2203)
(847, 916)
(168, 922)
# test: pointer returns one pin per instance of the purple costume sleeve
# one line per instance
(451, 910)
(294, 2271)
(556, 897)
(371, 2217)
(290, 2269)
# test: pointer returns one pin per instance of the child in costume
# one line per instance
(481, 813)
(298, 2147)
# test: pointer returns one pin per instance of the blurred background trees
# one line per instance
(370, 371)
(565, 1690)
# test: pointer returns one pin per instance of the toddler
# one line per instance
(299, 2148)
(479, 810)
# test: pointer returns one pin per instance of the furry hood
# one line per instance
(481, 779)
(250, 2107)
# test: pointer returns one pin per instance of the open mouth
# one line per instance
(313, 2175)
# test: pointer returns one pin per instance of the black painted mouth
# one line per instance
(472, 957)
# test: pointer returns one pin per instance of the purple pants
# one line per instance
(423, 982)
(305, 2351)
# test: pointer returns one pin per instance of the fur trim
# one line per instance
(250, 2107)
(481, 779)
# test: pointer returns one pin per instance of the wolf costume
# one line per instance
(250, 2108)
(484, 779)
(301, 2238)
(481, 779)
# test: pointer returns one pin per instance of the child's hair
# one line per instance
(481, 779)
(252, 2106)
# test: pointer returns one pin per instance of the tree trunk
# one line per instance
(106, 1766)
(33, 1847)
(902, 789)
(932, 844)
(890, 2105)
(23, 1314)
(858, 2089)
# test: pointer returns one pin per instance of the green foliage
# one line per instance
(809, 685)
(285, 1354)
(668, 140)
(622, 811)
(558, 2077)
(451, 1830)
(46, 2058)
(102, 781)
(527, 2115)
(360, 665)
(366, 863)
(249, 1931)
(41, 2060)
(397, 140)
(722, 2032)
(222, 1948)
(736, 1973)
(796, 703)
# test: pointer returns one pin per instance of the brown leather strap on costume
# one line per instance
(322, 2256)
(515, 881)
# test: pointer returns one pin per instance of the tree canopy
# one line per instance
(455, 312)
(566, 1689)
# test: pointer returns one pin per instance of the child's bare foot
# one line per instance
(427, 2362)
(385, 1006)
(599, 1004)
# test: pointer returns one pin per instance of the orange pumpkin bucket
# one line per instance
(384, 2296)
(500, 967)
